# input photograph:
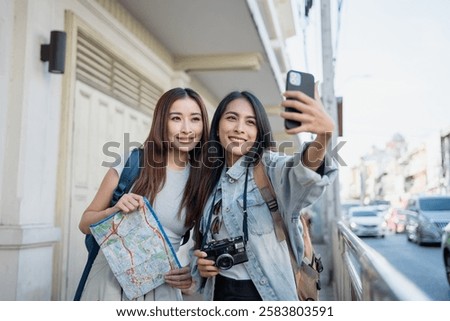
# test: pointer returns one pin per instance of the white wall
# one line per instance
(29, 140)
(6, 21)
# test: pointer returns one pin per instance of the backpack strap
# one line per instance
(311, 264)
(267, 192)
(128, 176)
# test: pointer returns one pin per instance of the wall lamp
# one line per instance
(55, 52)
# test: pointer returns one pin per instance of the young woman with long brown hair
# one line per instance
(171, 161)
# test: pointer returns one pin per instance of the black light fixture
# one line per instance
(55, 52)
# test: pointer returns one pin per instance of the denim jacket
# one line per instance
(268, 263)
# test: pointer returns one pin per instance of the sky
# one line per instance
(393, 71)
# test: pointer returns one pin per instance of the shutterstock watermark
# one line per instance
(112, 149)
(116, 150)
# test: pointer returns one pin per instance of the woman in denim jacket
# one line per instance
(240, 138)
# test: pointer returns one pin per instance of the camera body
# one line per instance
(226, 252)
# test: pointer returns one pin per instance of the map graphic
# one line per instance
(137, 249)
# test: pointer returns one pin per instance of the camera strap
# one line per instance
(245, 218)
(208, 226)
(244, 223)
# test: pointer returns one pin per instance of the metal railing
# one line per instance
(362, 274)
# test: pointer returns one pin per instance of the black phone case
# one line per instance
(306, 86)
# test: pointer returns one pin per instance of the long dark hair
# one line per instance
(156, 147)
(214, 153)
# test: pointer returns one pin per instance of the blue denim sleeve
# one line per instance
(295, 185)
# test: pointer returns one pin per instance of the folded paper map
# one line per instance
(137, 249)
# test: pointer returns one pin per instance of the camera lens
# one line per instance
(224, 261)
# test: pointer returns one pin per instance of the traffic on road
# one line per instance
(415, 239)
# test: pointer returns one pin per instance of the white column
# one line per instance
(29, 151)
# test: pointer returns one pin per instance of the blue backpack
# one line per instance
(129, 175)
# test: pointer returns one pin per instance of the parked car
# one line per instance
(426, 217)
(396, 220)
(366, 221)
(445, 245)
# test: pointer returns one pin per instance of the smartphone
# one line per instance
(301, 81)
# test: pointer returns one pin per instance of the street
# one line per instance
(423, 265)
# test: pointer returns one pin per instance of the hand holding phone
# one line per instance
(300, 81)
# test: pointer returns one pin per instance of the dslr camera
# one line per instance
(226, 252)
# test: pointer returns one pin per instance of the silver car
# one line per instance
(366, 221)
(426, 217)
(446, 250)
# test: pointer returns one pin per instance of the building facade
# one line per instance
(396, 172)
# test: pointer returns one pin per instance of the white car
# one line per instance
(366, 221)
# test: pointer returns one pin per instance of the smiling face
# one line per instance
(184, 126)
(237, 129)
